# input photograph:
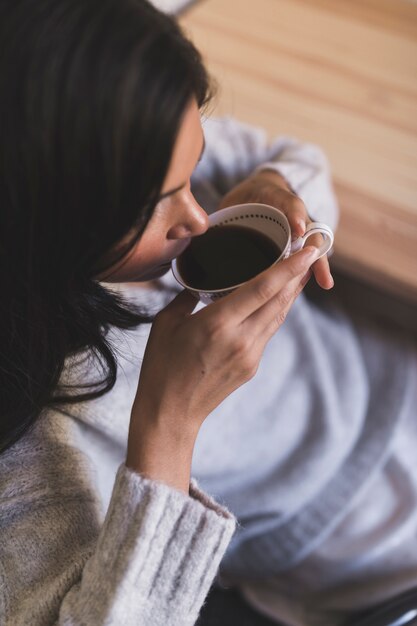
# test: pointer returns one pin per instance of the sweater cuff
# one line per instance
(207, 501)
(163, 546)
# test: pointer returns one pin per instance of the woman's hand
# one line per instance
(193, 362)
(268, 187)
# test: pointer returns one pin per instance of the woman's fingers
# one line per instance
(265, 322)
(257, 292)
(275, 316)
(183, 304)
(322, 273)
(275, 310)
(295, 210)
(321, 268)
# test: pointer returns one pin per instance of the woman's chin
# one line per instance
(146, 276)
(164, 269)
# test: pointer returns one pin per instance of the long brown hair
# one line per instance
(92, 93)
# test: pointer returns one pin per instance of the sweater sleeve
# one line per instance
(235, 150)
(151, 562)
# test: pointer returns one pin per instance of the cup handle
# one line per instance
(312, 229)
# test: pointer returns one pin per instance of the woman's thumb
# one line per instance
(183, 304)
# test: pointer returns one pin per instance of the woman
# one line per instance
(101, 133)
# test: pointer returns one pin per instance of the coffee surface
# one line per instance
(225, 256)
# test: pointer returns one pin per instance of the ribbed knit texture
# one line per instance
(151, 562)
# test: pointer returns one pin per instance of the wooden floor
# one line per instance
(343, 74)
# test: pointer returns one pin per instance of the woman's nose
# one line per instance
(193, 221)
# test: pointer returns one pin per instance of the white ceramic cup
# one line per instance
(267, 220)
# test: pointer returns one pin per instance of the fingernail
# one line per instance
(298, 230)
(301, 223)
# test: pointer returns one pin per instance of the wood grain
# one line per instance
(342, 74)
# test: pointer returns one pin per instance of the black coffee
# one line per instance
(225, 256)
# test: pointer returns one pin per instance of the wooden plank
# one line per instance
(399, 17)
(376, 241)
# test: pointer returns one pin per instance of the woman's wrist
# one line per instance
(159, 452)
(278, 179)
(275, 177)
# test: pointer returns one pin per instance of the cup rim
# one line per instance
(174, 267)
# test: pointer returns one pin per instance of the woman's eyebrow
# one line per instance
(172, 191)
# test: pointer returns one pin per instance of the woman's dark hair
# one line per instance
(92, 94)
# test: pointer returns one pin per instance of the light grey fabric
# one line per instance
(173, 7)
(319, 459)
